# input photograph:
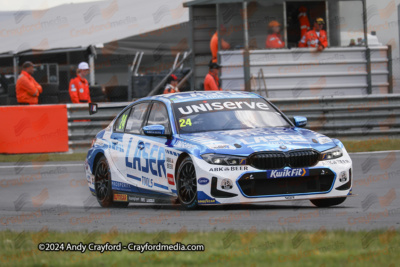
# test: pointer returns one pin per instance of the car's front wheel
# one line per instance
(186, 184)
(327, 202)
(102, 185)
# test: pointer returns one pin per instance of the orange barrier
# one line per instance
(33, 129)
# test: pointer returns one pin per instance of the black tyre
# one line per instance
(12, 101)
(3, 90)
(117, 99)
(142, 85)
(49, 89)
(96, 91)
(3, 100)
(98, 98)
(327, 202)
(117, 91)
(156, 80)
(186, 184)
(45, 99)
(63, 97)
(11, 90)
(102, 185)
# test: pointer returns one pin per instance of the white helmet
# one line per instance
(83, 66)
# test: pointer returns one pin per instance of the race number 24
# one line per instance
(184, 123)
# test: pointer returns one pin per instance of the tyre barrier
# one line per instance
(117, 93)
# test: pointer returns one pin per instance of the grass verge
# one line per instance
(251, 248)
(372, 145)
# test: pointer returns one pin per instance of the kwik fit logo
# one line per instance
(287, 173)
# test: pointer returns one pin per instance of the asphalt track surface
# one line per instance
(55, 195)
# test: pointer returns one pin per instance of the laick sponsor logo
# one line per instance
(287, 173)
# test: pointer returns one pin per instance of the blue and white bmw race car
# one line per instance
(209, 148)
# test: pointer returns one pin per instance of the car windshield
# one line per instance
(226, 114)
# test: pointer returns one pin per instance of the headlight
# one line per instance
(93, 141)
(333, 153)
(224, 159)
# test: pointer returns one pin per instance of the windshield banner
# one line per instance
(213, 105)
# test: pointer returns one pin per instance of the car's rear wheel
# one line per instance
(186, 184)
(327, 202)
(102, 185)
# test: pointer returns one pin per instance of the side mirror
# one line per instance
(300, 121)
(154, 130)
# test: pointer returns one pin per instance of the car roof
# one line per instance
(201, 95)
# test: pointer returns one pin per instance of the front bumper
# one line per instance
(245, 184)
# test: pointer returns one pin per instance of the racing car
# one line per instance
(211, 148)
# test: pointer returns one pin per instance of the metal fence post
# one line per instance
(191, 42)
(390, 69)
(246, 54)
(16, 62)
(367, 51)
(91, 69)
(369, 79)
(130, 88)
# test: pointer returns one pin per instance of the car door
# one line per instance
(116, 141)
(136, 153)
(124, 137)
(155, 174)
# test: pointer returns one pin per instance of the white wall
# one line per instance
(383, 18)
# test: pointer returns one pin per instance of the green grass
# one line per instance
(382, 144)
(251, 248)
(43, 157)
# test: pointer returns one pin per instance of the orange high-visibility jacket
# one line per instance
(214, 46)
(79, 90)
(211, 83)
(304, 23)
(27, 89)
(274, 40)
(311, 39)
(169, 89)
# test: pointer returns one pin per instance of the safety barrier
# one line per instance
(33, 129)
(352, 117)
(83, 127)
(301, 72)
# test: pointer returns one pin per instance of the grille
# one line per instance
(256, 184)
(279, 160)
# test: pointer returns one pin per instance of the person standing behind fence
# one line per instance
(303, 20)
(316, 37)
(274, 39)
(27, 89)
(214, 43)
(79, 86)
(211, 81)
(172, 85)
